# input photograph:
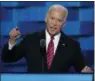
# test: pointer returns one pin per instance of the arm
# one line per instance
(79, 63)
(15, 53)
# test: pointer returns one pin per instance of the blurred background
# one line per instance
(29, 17)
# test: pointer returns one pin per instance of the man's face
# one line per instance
(55, 21)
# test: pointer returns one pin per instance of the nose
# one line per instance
(54, 23)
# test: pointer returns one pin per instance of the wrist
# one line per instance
(12, 41)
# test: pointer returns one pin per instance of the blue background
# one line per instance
(30, 16)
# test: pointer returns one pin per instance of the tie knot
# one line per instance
(52, 37)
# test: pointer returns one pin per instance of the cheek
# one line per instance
(58, 28)
(48, 22)
(60, 24)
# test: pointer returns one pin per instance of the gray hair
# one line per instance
(58, 6)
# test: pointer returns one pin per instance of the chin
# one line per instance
(53, 33)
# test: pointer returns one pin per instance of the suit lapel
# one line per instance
(60, 52)
(42, 36)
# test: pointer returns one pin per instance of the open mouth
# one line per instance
(53, 29)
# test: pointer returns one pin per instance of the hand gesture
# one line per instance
(14, 34)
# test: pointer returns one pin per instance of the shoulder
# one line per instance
(70, 40)
(32, 35)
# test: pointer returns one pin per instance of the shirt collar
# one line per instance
(55, 37)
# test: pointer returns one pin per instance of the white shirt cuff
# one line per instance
(11, 46)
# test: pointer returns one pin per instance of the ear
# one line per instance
(64, 23)
(46, 18)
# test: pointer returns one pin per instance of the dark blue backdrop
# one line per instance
(30, 16)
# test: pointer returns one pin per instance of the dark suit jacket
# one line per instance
(67, 54)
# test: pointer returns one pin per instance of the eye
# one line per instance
(52, 18)
(59, 20)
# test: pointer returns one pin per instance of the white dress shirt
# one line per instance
(56, 40)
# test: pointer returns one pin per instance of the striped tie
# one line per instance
(50, 52)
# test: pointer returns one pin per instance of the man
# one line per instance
(49, 51)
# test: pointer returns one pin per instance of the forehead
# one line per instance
(57, 12)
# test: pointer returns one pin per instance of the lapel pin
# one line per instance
(63, 44)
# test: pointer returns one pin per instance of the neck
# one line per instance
(52, 35)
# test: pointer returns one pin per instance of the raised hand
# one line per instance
(14, 34)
